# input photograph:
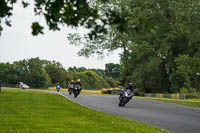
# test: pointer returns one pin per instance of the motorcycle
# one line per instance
(76, 91)
(125, 97)
(70, 89)
(58, 88)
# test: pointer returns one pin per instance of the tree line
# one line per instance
(43, 74)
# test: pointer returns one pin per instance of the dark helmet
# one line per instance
(130, 84)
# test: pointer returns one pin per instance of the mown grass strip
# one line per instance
(187, 102)
(34, 112)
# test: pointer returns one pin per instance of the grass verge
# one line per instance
(187, 102)
(35, 112)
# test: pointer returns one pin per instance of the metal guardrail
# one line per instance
(116, 92)
(10, 85)
(109, 91)
(158, 95)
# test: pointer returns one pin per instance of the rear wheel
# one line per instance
(120, 104)
(123, 104)
(125, 101)
(75, 94)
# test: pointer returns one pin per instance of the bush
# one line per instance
(184, 90)
(139, 92)
(178, 81)
(188, 91)
(89, 79)
(192, 96)
(111, 82)
(192, 90)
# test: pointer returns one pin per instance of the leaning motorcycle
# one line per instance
(76, 91)
(70, 89)
(125, 97)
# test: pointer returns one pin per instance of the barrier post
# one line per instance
(0, 85)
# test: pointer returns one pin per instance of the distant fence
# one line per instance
(111, 91)
(158, 95)
(10, 85)
(91, 91)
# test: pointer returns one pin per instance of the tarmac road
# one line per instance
(173, 117)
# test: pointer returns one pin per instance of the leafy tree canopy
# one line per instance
(72, 13)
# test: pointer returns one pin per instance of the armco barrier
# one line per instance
(158, 95)
(116, 92)
(111, 91)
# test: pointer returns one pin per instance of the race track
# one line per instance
(173, 117)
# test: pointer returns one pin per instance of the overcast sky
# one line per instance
(17, 43)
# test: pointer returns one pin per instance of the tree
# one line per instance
(111, 82)
(100, 72)
(59, 12)
(73, 69)
(185, 73)
(152, 34)
(32, 72)
(56, 72)
(89, 79)
(8, 74)
(6, 11)
(112, 70)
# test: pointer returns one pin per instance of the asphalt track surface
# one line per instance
(173, 117)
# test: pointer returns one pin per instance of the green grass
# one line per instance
(187, 102)
(36, 112)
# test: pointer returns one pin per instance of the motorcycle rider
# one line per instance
(70, 87)
(78, 82)
(129, 87)
(58, 87)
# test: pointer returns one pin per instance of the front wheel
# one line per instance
(124, 101)
(120, 104)
(75, 95)
(123, 104)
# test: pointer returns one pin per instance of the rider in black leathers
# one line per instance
(129, 87)
(78, 83)
(70, 87)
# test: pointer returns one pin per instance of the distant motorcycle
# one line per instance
(125, 97)
(76, 91)
(58, 88)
